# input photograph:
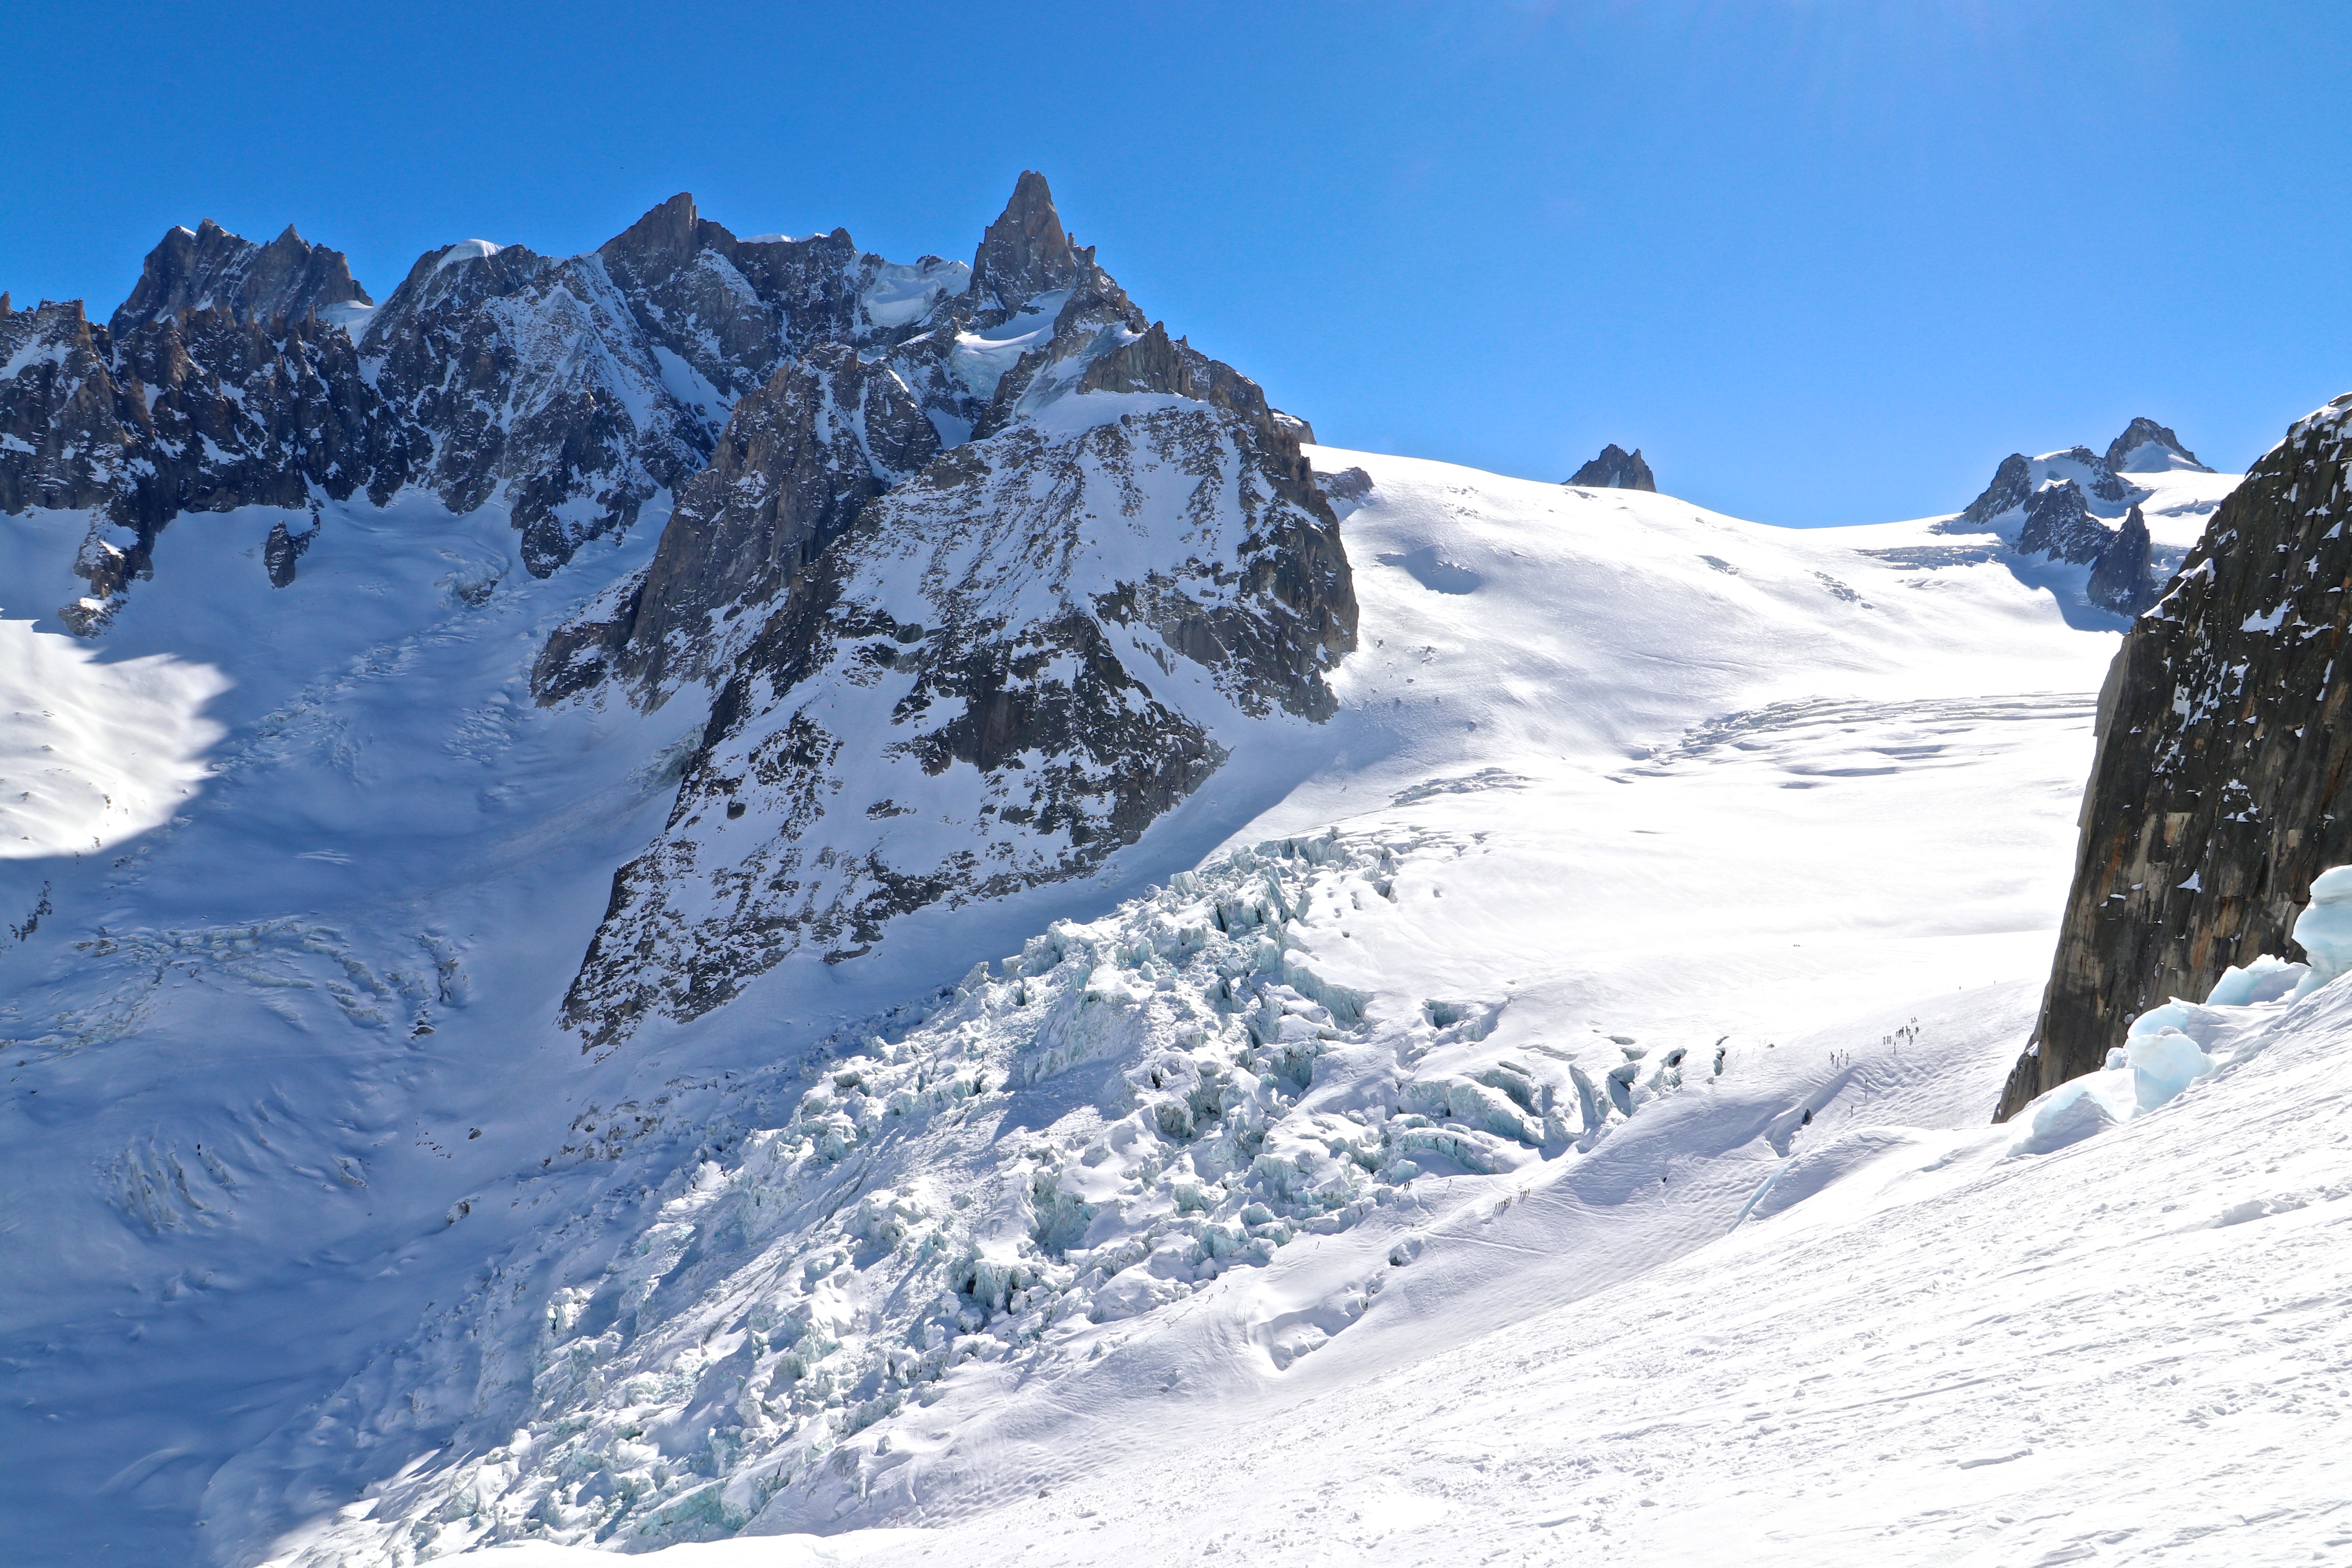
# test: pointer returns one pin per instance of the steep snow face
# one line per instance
(1646, 852)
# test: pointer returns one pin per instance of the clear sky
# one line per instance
(1823, 261)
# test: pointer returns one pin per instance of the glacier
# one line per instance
(1525, 1098)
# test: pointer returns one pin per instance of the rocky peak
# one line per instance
(2148, 448)
(666, 236)
(1616, 469)
(2011, 487)
(1025, 252)
(211, 266)
(1045, 631)
(2222, 783)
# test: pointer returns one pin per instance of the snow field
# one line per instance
(93, 751)
(1608, 766)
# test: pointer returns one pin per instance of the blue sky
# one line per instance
(1824, 262)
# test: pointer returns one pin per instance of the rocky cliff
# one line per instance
(2223, 777)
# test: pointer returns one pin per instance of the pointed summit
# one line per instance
(667, 234)
(2148, 448)
(212, 266)
(1025, 251)
(1616, 469)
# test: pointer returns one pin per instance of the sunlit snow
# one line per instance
(1540, 1113)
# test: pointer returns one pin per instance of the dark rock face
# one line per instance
(2120, 581)
(61, 412)
(1026, 252)
(2059, 526)
(797, 461)
(2131, 451)
(199, 412)
(1616, 469)
(212, 268)
(2011, 487)
(1028, 651)
(2224, 779)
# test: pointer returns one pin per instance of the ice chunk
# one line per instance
(2163, 1063)
(2266, 979)
(2082, 1107)
(2325, 928)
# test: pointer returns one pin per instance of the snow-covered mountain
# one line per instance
(1151, 988)
(2075, 508)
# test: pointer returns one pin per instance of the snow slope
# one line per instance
(93, 751)
(1950, 1349)
(360, 1260)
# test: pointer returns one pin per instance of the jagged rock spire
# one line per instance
(2120, 581)
(1025, 251)
(1616, 469)
(211, 266)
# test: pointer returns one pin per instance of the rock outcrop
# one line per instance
(2121, 580)
(1616, 469)
(2059, 526)
(2011, 487)
(2222, 783)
